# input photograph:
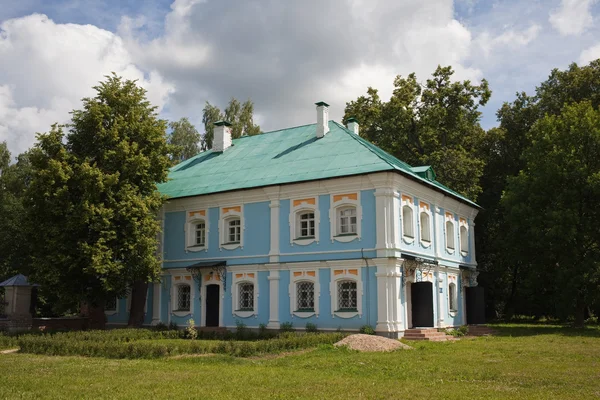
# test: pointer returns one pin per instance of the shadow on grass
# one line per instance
(544, 329)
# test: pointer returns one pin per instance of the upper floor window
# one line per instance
(231, 227)
(347, 221)
(408, 223)
(305, 225)
(245, 296)
(345, 216)
(450, 232)
(464, 237)
(183, 297)
(196, 230)
(452, 297)
(425, 224)
(304, 221)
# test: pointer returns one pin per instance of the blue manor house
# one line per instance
(311, 224)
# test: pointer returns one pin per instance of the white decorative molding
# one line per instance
(463, 242)
(181, 279)
(389, 307)
(274, 300)
(227, 213)
(240, 277)
(303, 275)
(425, 209)
(408, 202)
(449, 218)
(345, 274)
(339, 201)
(297, 207)
(275, 208)
(388, 231)
(194, 217)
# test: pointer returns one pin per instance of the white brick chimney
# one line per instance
(322, 119)
(352, 125)
(222, 137)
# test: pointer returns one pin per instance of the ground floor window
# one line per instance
(246, 296)
(452, 297)
(347, 296)
(183, 298)
(305, 296)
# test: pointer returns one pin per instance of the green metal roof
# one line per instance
(285, 156)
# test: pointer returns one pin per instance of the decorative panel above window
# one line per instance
(196, 230)
(304, 221)
(231, 227)
(345, 216)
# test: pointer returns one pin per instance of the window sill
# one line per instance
(425, 243)
(244, 313)
(196, 248)
(453, 313)
(408, 239)
(303, 241)
(304, 314)
(181, 313)
(345, 313)
(449, 250)
(464, 253)
(231, 245)
(345, 237)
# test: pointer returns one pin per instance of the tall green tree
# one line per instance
(434, 124)
(94, 202)
(552, 207)
(184, 140)
(240, 115)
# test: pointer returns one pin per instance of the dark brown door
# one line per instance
(422, 304)
(212, 305)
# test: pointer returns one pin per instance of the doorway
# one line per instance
(212, 305)
(422, 304)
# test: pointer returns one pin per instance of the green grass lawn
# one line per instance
(538, 362)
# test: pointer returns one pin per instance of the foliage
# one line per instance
(367, 330)
(240, 115)
(457, 332)
(310, 327)
(184, 140)
(434, 124)
(93, 195)
(173, 326)
(286, 327)
(262, 329)
(190, 331)
(8, 342)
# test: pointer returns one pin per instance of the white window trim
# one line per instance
(293, 219)
(183, 280)
(333, 217)
(403, 203)
(345, 276)
(427, 211)
(463, 224)
(190, 230)
(223, 228)
(453, 279)
(238, 278)
(304, 277)
(451, 219)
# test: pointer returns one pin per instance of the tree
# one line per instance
(552, 207)
(94, 198)
(436, 124)
(240, 115)
(184, 140)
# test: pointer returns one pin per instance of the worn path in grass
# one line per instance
(536, 363)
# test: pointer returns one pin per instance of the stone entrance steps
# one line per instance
(480, 330)
(430, 334)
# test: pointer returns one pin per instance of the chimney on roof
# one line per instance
(353, 125)
(322, 119)
(222, 136)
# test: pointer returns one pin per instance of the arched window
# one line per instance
(407, 222)
(450, 235)
(305, 296)
(347, 295)
(183, 297)
(305, 225)
(425, 227)
(234, 230)
(347, 221)
(200, 233)
(452, 297)
(246, 296)
(464, 240)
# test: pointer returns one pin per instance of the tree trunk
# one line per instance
(97, 318)
(139, 291)
(579, 312)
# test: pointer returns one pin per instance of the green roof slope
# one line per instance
(284, 156)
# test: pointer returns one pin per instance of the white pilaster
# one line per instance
(472, 241)
(156, 303)
(274, 252)
(440, 311)
(389, 310)
(387, 206)
(273, 300)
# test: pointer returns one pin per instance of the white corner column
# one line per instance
(273, 300)
(438, 288)
(387, 208)
(155, 303)
(389, 308)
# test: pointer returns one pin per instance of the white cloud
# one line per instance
(573, 17)
(589, 54)
(47, 68)
(509, 39)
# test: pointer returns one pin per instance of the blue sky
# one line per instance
(282, 55)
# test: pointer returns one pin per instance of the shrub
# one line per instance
(173, 326)
(191, 332)
(287, 327)
(8, 342)
(310, 327)
(367, 330)
(161, 326)
(457, 332)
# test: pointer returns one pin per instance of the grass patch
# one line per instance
(521, 363)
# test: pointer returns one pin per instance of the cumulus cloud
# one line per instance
(48, 67)
(510, 38)
(287, 55)
(573, 17)
(589, 54)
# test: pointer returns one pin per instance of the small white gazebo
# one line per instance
(17, 302)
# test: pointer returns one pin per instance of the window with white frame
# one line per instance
(346, 221)
(347, 295)
(425, 225)
(452, 297)
(231, 227)
(246, 296)
(111, 304)
(234, 230)
(196, 230)
(345, 215)
(464, 238)
(305, 225)
(450, 234)
(200, 233)
(305, 296)
(408, 233)
(184, 297)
